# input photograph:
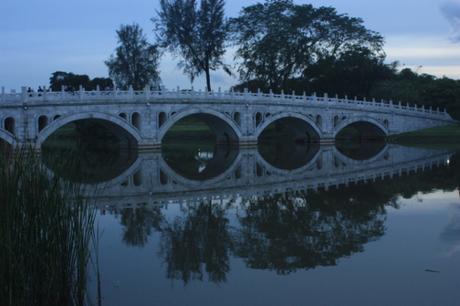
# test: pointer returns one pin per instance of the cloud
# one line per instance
(451, 10)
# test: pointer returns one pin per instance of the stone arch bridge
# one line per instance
(30, 118)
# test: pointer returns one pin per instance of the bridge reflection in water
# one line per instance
(275, 208)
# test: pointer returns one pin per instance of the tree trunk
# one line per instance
(208, 79)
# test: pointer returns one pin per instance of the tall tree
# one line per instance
(135, 61)
(279, 40)
(196, 34)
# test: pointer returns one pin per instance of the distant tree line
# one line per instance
(279, 45)
(71, 82)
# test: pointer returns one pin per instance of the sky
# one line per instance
(38, 37)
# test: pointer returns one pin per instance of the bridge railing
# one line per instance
(151, 96)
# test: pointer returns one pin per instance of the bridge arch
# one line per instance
(356, 119)
(171, 121)
(8, 137)
(311, 122)
(61, 121)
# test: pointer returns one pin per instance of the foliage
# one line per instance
(423, 89)
(279, 41)
(199, 241)
(196, 34)
(138, 224)
(135, 61)
(45, 231)
(288, 232)
(72, 82)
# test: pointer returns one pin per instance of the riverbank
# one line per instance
(447, 136)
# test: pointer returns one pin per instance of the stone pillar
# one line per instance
(248, 137)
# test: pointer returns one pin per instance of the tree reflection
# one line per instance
(138, 224)
(197, 243)
(289, 232)
(283, 232)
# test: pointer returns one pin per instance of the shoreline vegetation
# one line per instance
(46, 230)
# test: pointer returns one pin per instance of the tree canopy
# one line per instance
(196, 34)
(278, 40)
(135, 61)
(72, 82)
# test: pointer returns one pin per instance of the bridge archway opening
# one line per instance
(290, 129)
(201, 127)
(361, 140)
(136, 120)
(200, 147)
(124, 116)
(10, 125)
(288, 143)
(89, 151)
(362, 131)
(42, 123)
(161, 119)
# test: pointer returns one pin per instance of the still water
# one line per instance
(200, 224)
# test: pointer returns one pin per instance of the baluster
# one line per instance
(81, 92)
(131, 92)
(147, 92)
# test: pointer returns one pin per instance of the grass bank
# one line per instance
(444, 136)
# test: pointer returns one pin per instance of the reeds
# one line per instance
(46, 228)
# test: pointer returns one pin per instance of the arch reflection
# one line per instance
(360, 151)
(288, 144)
(197, 154)
(88, 152)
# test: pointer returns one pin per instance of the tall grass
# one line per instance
(45, 233)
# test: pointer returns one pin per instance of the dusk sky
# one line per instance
(40, 37)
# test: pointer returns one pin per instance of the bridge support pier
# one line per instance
(327, 139)
(248, 142)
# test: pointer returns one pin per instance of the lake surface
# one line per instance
(198, 224)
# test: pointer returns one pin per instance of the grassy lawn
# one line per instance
(447, 137)
(188, 129)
